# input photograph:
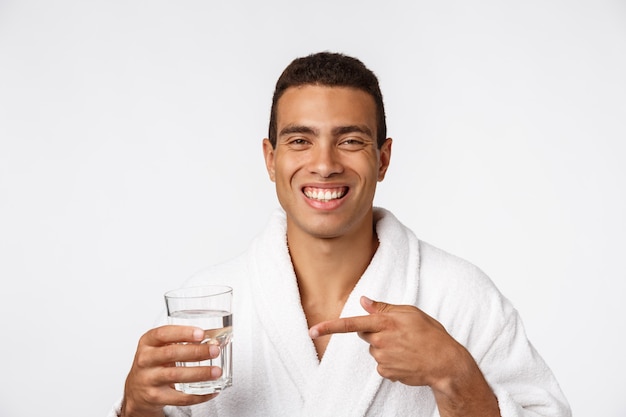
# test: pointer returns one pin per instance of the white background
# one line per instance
(130, 157)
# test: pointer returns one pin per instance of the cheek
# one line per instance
(370, 170)
(286, 169)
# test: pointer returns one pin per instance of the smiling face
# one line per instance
(326, 162)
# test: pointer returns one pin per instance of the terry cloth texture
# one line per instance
(276, 371)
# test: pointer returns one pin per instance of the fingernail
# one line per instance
(367, 301)
(198, 334)
(214, 350)
(314, 333)
(216, 372)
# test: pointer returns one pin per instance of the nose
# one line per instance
(325, 160)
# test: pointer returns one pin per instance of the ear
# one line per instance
(384, 158)
(268, 154)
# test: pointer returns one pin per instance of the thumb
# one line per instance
(372, 306)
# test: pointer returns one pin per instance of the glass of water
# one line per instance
(210, 308)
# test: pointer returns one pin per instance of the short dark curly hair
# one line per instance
(332, 70)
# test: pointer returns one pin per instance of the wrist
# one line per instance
(129, 410)
(464, 391)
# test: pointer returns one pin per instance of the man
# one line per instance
(340, 310)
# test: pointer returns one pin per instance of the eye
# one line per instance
(298, 142)
(352, 143)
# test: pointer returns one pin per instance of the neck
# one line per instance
(329, 268)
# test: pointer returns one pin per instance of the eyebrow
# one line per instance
(342, 130)
(287, 130)
(337, 131)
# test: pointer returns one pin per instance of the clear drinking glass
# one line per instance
(210, 308)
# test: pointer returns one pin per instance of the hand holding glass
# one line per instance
(209, 308)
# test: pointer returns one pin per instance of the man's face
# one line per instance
(326, 162)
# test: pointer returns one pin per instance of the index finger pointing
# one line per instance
(358, 324)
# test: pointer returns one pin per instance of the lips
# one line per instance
(325, 194)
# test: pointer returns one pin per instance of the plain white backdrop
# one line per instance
(130, 157)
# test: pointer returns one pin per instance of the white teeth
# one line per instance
(324, 195)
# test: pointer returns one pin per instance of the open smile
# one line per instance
(325, 194)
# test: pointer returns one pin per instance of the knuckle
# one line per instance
(325, 329)
(382, 371)
(142, 359)
(143, 340)
(151, 395)
(384, 307)
(200, 350)
(376, 340)
(159, 333)
(386, 373)
(141, 362)
(349, 326)
(375, 353)
(170, 374)
(169, 352)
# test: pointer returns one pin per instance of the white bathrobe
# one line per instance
(276, 371)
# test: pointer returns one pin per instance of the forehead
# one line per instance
(324, 104)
